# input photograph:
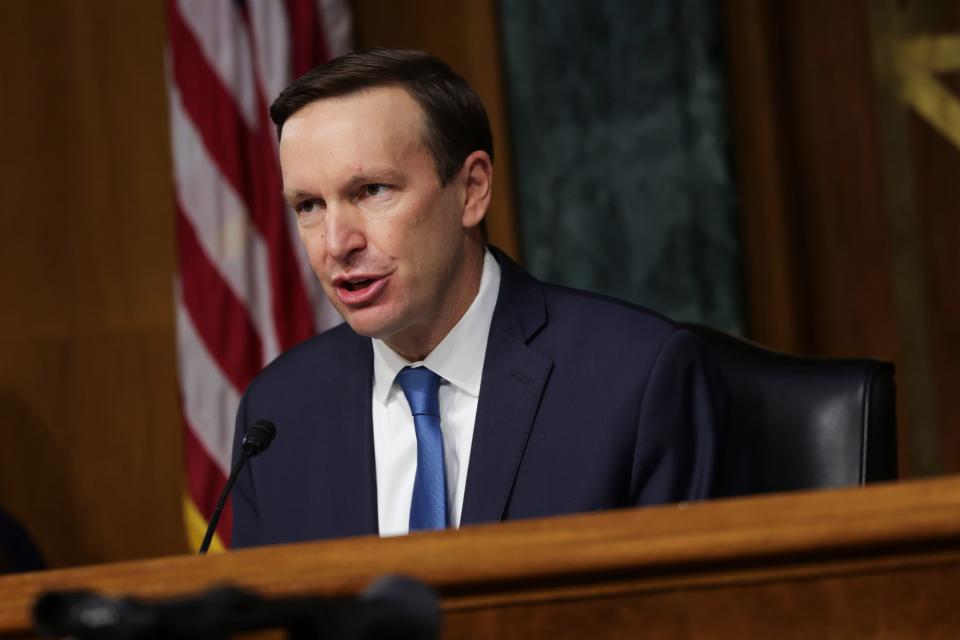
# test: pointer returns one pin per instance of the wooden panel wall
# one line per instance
(90, 459)
(810, 179)
(931, 165)
(849, 205)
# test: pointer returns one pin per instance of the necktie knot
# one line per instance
(422, 390)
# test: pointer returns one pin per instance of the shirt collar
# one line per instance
(458, 358)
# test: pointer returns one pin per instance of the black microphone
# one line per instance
(410, 610)
(258, 437)
(255, 441)
(395, 608)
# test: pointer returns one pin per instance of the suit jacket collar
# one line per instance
(521, 310)
(356, 434)
(514, 376)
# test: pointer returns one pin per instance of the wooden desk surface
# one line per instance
(876, 561)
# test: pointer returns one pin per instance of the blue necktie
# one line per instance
(428, 510)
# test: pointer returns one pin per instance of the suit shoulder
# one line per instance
(589, 313)
(333, 346)
(601, 335)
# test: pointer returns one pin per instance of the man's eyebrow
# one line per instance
(291, 196)
(374, 176)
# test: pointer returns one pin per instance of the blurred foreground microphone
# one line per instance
(393, 608)
(258, 437)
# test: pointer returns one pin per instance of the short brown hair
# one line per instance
(456, 122)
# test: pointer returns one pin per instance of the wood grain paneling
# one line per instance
(838, 190)
(881, 561)
(91, 460)
(936, 166)
(767, 222)
(934, 161)
(850, 215)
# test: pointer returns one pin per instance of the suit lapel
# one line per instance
(514, 376)
(353, 458)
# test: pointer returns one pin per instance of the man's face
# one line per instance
(383, 236)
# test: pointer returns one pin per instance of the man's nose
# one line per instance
(345, 232)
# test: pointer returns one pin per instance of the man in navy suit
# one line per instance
(460, 389)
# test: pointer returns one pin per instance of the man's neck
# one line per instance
(463, 290)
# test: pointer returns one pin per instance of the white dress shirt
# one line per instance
(458, 360)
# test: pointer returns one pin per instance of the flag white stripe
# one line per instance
(337, 25)
(222, 225)
(209, 400)
(272, 36)
(220, 31)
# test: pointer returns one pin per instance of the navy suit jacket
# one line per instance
(586, 403)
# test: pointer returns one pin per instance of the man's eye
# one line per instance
(374, 190)
(307, 206)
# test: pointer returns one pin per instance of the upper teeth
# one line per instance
(354, 284)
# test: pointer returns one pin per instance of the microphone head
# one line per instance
(414, 608)
(258, 437)
(84, 614)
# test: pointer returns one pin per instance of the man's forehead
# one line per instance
(389, 107)
(338, 143)
(359, 133)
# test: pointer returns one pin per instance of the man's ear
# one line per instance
(477, 174)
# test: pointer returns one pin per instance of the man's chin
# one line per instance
(390, 330)
(368, 324)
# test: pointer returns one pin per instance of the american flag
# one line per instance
(244, 290)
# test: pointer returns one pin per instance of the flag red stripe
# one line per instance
(204, 481)
(293, 313)
(210, 105)
(221, 319)
(307, 39)
(247, 160)
(294, 317)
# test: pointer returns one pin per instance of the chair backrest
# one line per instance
(18, 552)
(803, 423)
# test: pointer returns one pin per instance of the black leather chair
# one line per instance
(802, 423)
(18, 552)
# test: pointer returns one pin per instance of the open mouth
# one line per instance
(361, 290)
(357, 285)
